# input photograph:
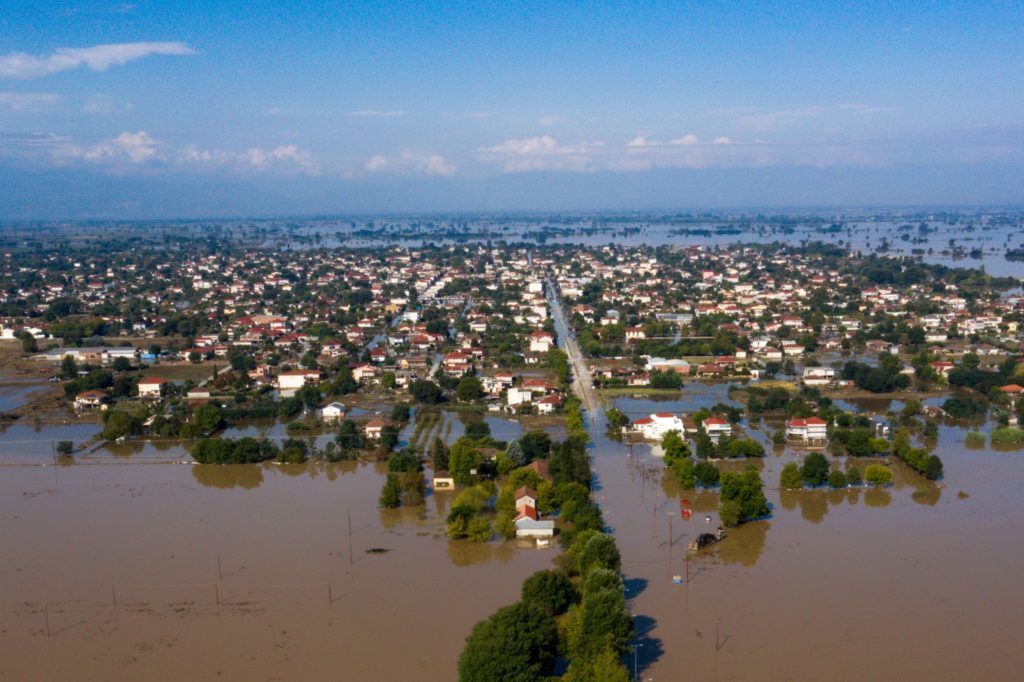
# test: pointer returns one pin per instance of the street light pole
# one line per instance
(634, 647)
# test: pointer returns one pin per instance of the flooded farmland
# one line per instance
(128, 567)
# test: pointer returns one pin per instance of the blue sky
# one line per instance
(164, 109)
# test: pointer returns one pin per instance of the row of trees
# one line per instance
(523, 641)
(814, 472)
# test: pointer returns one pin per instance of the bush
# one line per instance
(964, 407)
(853, 476)
(791, 478)
(878, 475)
(837, 479)
(1008, 436)
(975, 439)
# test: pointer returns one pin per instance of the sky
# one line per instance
(215, 109)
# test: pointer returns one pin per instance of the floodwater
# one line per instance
(915, 580)
(170, 572)
(132, 568)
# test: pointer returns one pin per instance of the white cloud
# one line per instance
(638, 141)
(411, 162)
(435, 164)
(376, 113)
(105, 104)
(773, 120)
(136, 147)
(288, 154)
(722, 140)
(98, 58)
(542, 153)
(685, 140)
(376, 163)
(548, 121)
(24, 101)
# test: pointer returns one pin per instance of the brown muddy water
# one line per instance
(171, 572)
(911, 582)
(121, 568)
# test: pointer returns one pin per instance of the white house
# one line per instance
(811, 429)
(518, 395)
(333, 412)
(657, 425)
(296, 379)
(716, 427)
(818, 376)
(152, 388)
(541, 342)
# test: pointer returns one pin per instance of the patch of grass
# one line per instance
(1008, 436)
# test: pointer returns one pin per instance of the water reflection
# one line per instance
(877, 497)
(226, 476)
(813, 505)
(927, 495)
(745, 544)
(466, 553)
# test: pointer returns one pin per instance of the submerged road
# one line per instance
(583, 385)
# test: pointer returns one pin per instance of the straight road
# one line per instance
(583, 385)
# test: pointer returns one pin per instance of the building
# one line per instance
(809, 430)
(717, 427)
(152, 388)
(296, 379)
(333, 412)
(443, 480)
(373, 429)
(657, 425)
(91, 399)
(818, 376)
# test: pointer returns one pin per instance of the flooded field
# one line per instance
(130, 567)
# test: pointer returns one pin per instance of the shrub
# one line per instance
(878, 475)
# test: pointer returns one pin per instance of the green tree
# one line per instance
(791, 478)
(68, 368)
(836, 479)
(815, 469)
(439, 454)
(65, 448)
(599, 551)
(853, 476)
(742, 497)
(117, 424)
(469, 390)
(391, 494)
(685, 472)
(616, 418)
(878, 475)
(550, 591)
(707, 474)
(208, 418)
(426, 392)
(517, 643)
(463, 458)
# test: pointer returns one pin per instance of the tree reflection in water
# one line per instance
(226, 476)
(744, 544)
(813, 505)
(466, 553)
(877, 497)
